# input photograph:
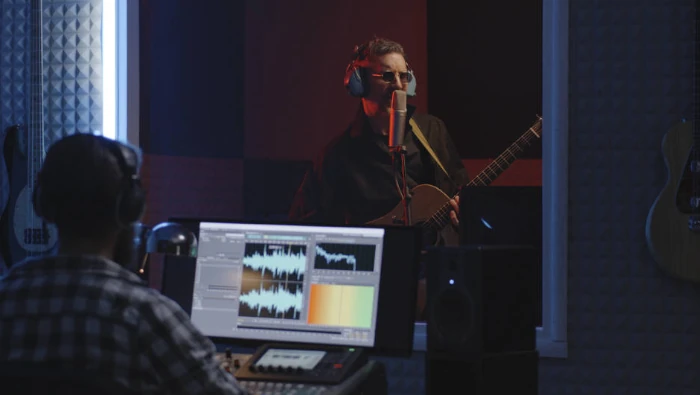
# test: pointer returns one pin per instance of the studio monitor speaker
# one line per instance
(481, 318)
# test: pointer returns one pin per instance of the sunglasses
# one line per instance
(389, 76)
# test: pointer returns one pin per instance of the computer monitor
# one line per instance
(254, 283)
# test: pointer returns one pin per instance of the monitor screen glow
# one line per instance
(290, 283)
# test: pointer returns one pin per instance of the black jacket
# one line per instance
(352, 180)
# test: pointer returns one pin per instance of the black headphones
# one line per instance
(356, 84)
(131, 199)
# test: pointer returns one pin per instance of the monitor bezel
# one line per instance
(378, 349)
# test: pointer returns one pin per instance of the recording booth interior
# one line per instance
(300, 307)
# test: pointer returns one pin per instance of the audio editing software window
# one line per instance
(292, 283)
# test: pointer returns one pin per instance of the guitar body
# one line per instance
(16, 162)
(22, 232)
(6, 154)
(674, 246)
(426, 200)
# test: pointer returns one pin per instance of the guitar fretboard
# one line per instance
(500, 164)
(696, 113)
(35, 122)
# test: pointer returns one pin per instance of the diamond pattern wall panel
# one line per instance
(632, 330)
(72, 65)
(14, 68)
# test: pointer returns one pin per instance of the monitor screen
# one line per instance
(328, 285)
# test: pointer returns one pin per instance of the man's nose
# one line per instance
(398, 83)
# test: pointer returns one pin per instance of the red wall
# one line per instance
(295, 59)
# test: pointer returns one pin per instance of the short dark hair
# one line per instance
(378, 46)
(80, 181)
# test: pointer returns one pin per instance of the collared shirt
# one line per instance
(352, 181)
(91, 314)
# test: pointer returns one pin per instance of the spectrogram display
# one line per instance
(341, 305)
(351, 257)
(272, 285)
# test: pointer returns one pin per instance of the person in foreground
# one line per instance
(85, 309)
(352, 181)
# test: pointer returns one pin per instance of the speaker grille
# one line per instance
(453, 316)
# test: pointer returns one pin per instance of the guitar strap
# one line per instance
(417, 132)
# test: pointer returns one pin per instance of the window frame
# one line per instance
(121, 19)
(552, 335)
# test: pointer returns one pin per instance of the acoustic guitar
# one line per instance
(673, 222)
(22, 232)
(430, 206)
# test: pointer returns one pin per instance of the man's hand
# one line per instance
(454, 213)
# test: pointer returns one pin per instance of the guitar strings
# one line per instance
(35, 145)
(695, 165)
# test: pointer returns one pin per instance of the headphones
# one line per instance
(131, 198)
(356, 83)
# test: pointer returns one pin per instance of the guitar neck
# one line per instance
(696, 97)
(503, 161)
(440, 219)
(35, 124)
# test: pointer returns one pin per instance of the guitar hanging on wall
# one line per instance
(23, 234)
(673, 223)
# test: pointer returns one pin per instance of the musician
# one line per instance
(352, 180)
(84, 308)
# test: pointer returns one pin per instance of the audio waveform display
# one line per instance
(275, 261)
(273, 303)
(272, 284)
(353, 257)
(341, 305)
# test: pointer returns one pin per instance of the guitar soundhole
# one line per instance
(36, 236)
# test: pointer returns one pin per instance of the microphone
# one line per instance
(397, 119)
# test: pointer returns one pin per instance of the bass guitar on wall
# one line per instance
(430, 206)
(6, 146)
(23, 234)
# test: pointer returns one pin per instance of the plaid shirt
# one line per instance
(91, 314)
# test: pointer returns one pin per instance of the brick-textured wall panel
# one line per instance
(632, 330)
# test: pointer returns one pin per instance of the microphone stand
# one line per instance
(399, 161)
